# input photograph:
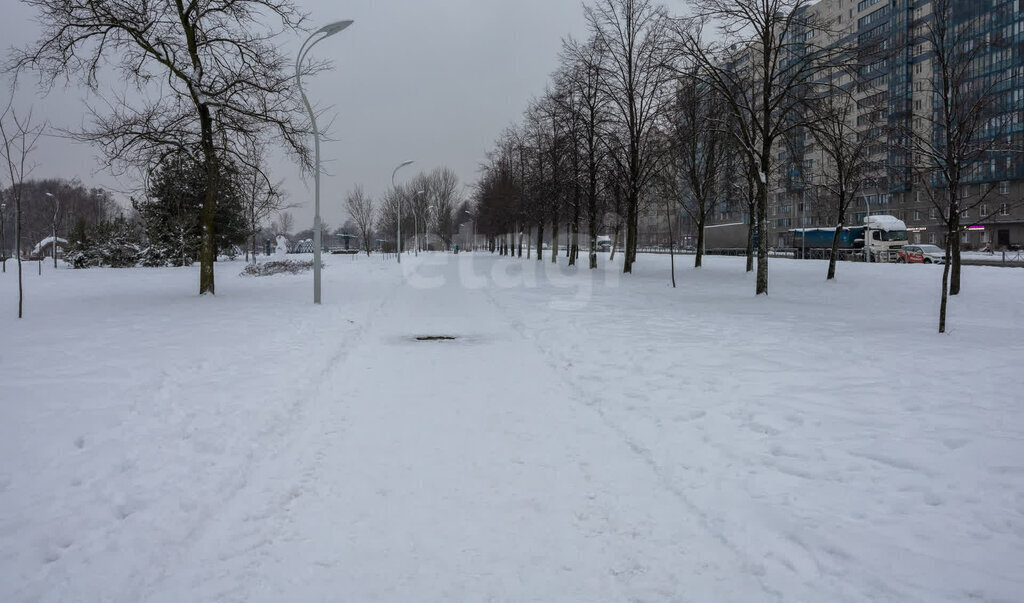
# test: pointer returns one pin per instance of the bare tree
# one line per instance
(363, 213)
(20, 136)
(583, 74)
(962, 132)
(285, 223)
(444, 186)
(633, 37)
(849, 135)
(261, 196)
(212, 74)
(700, 147)
(762, 66)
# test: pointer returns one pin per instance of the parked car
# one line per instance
(921, 254)
(604, 245)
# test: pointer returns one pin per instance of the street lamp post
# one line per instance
(416, 226)
(3, 236)
(324, 32)
(426, 228)
(472, 244)
(56, 211)
(398, 241)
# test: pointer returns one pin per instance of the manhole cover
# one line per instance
(435, 338)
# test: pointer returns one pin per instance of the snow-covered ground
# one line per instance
(588, 436)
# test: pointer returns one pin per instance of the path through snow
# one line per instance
(457, 470)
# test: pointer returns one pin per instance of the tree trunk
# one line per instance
(593, 244)
(671, 247)
(750, 242)
(540, 241)
(835, 250)
(945, 283)
(762, 239)
(699, 258)
(631, 232)
(615, 239)
(751, 212)
(954, 277)
(17, 252)
(575, 251)
(207, 247)
(554, 242)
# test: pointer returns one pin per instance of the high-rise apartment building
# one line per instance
(897, 89)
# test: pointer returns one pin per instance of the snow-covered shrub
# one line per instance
(279, 267)
(114, 244)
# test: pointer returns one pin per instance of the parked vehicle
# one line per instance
(883, 235)
(921, 254)
(727, 237)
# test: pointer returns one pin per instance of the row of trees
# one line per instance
(650, 113)
(48, 206)
(429, 203)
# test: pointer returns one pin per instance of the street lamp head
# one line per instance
(405, 163)
(332, 28)
(48, 194)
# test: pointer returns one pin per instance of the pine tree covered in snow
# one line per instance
(171, 216)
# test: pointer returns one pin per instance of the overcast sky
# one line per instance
(433, 81)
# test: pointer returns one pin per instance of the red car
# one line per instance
(921, 254)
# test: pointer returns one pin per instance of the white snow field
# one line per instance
(587, 437)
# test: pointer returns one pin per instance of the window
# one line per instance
(917, 214)
(966, 238)
(1004, 209)
(983, 211)
(1004, 187)
(933, 214)
(931, 237)
(965, 213)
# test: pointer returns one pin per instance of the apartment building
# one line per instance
(898, 90)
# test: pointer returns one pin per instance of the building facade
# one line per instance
(903, 83)
(897, 93)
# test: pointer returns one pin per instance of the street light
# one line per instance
(426, 228)
(398, 241)
(56, 210)
(416, 225)
(471, 215)
(324, 32)
(3, 236)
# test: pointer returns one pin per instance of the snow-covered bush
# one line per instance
(114, 244)
(279, 267)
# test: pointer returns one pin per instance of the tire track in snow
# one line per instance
(643, 453)
(253, 536)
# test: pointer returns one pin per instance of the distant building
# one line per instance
(902, 83)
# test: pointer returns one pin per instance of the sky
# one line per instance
(432, 81)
